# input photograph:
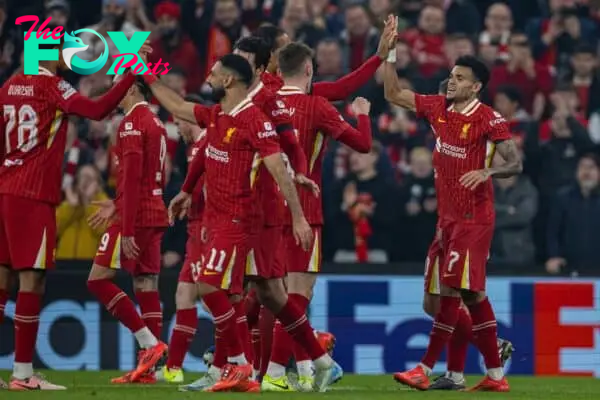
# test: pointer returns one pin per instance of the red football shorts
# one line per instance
(224, 258)
(193, 251)
(299, 260)
(266, 258)
(458, 256)
(27, 233)
(110, 254)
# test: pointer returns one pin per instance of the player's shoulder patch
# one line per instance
(65, 89)
(494, 117)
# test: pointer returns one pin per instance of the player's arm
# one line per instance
(330, 121)
(195, 170)
(348, 84)
(513, 165)
(176, 105)
(131, 142)
(72, 102)
(393, 91)
(276, 109)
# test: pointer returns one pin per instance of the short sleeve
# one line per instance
(130, 137)
(202, 115)
(263, 136)
(499, 129)
(62, 93)
(329, 119)
(429, 106)
(278, 112)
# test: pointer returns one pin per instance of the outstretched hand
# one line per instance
(104, 214)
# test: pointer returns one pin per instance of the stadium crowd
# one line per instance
(543, 55)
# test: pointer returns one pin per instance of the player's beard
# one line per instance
(217, 94)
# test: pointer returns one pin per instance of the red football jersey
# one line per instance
(465, 142)
(35, 134)
(315, 119)
(197, 208)
(275, 108)
(142, 133)
(235, 144)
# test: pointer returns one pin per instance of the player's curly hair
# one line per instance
(269, 33)
(239, 66)
(478, 67)
(144, 89)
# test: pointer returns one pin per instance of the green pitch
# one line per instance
(95, 385)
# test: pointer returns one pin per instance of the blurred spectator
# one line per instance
(555, 37)
(60, 12)
(461, 15)
(533, 80)
(427, 41)
(11, 43)
(113, 18)
(556, 158)
(76, 239)
(507, 102)
(365, 212)
(175, 47)
(516, 204)
(297, 24)
(380, 9)
(360, 39)
(573, 223)
(493, 41)
(583, 76)
(329, 60)
(418, 208)
(325, 15)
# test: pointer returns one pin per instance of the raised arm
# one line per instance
(331, 122)
(348, 84)
(174, 103)
(393, 92)
(72, 102)
(195, 171)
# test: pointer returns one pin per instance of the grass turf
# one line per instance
(95, 385)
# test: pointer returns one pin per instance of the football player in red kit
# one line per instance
(186, 316)
(235, 199)
(315, 119)
(467, 134)
(32, 146)
(133, 238)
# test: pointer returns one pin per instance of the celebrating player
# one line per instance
(132, 240)
(186, 316)
(467, 132)
(315, 119)
(231, 178)
(32, 145)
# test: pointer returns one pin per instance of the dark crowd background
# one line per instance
(544, 60)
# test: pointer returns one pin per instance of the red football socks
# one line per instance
(459, 341)
(266, 324)
(151, 311)
(3, 301)
(296, 324)
(252, 307)
(302, 302)
(225, 321)
(256, 348)
(485, 332)
(117, 303)
(221, 349)
(243, 331)
(283, 345)
(443, 327)
(184, 331)
(27, 322)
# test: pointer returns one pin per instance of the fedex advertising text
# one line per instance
(127, 57)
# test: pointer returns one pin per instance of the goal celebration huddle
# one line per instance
(252, 199)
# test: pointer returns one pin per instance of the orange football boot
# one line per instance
(148, 358)
(327, 341)
(232, 378)
(146, 379)
(490, 385)
(415, 378)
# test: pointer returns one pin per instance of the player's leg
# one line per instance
(222, 274)
(30, 229)
(239, 306)
(5, 278)
(253, 308)
(477, 240)
(5, 271)
(445, 319)
(145, 287)
(108, 260)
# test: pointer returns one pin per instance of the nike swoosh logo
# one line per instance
(449, 275)
(284, 387)
(441, 121)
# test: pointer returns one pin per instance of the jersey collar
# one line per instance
(287, 90)
(469, 109)
(141, 103)
(242, 105)
(44, 71)
(257, 89)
